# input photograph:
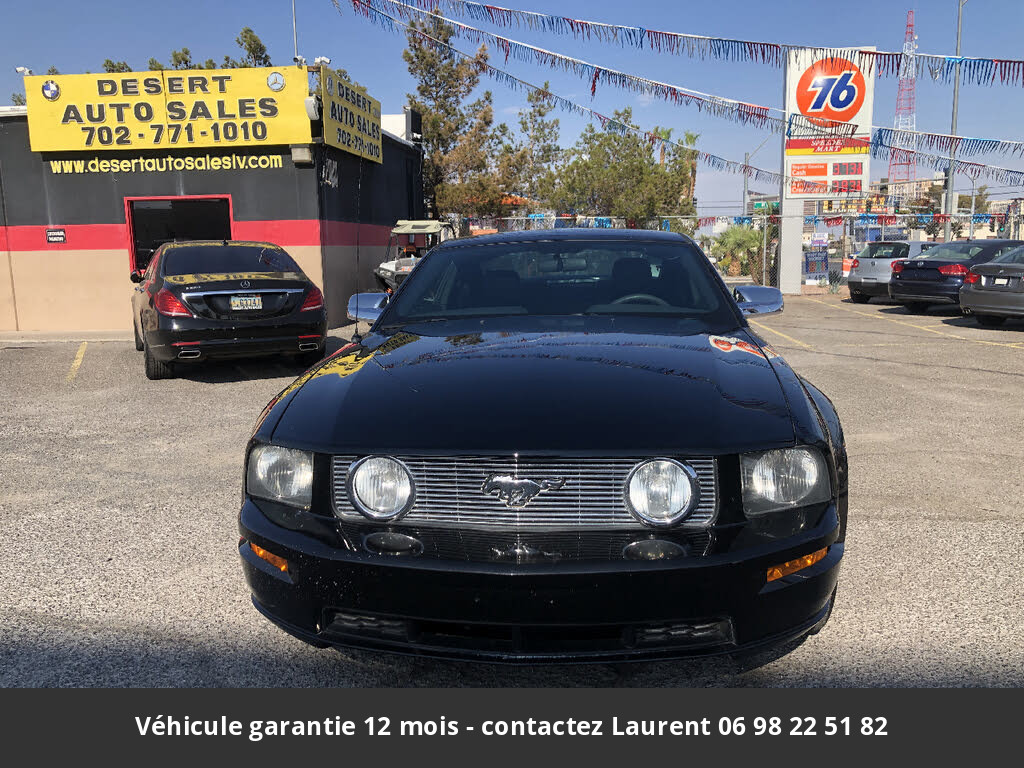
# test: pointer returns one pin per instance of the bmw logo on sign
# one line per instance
(275, 81)
(51, 91)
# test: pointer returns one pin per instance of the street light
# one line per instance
(956, 98)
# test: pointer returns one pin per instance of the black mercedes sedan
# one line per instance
(937, 275)
(595, 459)
(198, 300)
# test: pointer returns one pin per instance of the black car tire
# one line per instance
(156, 369)
(990, 321)
(918, 307)
(139, 346)
(859, 298)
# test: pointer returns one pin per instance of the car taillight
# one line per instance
(314, 300)
(166, 303)
(856, 263)
(972, 277)
(953, 269)
(897, 266)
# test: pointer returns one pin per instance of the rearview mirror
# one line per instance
(758, 299)
(366, 307)
(136, 277)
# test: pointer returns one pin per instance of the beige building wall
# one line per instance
(8, 315)
(60, 290)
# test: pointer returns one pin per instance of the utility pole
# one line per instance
(947, 229)
(295, 35)
(746, 161)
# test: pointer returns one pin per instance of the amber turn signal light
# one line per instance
(278, 562)
(778, 571)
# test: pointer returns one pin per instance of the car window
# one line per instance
(883, 251)
(563, 277)
(1008, 250)
(952, 252)
(152, 267)
(212, 259)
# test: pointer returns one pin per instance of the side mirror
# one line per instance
(758, 299)
(136, 277)
(366, 307)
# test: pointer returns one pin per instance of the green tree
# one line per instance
(539, 149)
(609, 173)
(116, 66)
(52, 70)
(980, 200)
(444, 82)
(742, 245)
(155, 66)
(254, 52)
(182, 59)
(18, 99)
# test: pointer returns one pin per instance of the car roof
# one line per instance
(219, 244)
(570, 233)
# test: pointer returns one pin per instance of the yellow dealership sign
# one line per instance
(351, 117)
(170, 109)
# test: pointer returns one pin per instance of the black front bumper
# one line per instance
(545, 612)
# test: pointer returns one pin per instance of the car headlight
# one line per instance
(381, 488)
(280, 474)
(661, 492)
(783, 479)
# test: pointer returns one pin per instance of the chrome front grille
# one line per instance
(449, 493)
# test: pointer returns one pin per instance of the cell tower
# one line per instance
(902, 168)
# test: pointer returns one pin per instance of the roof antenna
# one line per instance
(357, 338)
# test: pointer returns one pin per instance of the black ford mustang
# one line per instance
(198, 300)
(595, 459)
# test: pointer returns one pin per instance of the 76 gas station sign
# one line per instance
(827, 90)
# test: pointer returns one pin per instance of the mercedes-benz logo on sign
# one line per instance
(245, 283)
(275, 81)
(51, 91)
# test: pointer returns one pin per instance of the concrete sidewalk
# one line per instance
(63, 336)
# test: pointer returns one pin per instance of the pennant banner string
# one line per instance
(607, 123)
(941, 68)
(718, 106)
(880, 145)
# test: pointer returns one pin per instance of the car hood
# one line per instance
(584, 393)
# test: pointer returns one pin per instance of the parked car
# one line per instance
(199, 300)
(994, 291)
(935, 277)
(872, 267)
(595, 458)
(409, 241)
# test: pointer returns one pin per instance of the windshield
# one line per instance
(217, 259)
(883, 251)
(563, 278)
(952, 252)
(1015, 256)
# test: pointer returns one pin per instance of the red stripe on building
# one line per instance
(350, 233)
(281, 232)
(77, 237)
(111, 237)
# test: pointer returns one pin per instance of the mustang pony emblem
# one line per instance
(517, 492)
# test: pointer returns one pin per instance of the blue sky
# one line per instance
(76, 36)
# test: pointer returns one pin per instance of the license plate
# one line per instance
(1000, 281)
(246, 302)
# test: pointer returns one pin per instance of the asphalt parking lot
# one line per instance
(118, 503)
